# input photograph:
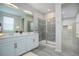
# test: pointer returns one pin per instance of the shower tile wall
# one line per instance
(51, 30)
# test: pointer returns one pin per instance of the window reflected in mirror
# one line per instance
(8, 24)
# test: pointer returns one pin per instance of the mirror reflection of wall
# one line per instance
(30, 24)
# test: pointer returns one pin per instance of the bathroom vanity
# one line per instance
(18, 44)
(17, 20)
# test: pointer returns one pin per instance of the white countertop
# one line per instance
(16, 34)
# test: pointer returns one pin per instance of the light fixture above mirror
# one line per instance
(28, 12)
(12, 5)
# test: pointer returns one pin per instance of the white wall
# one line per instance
(68, 21)
(77, 17)
(69, 10)
(77, 25)
(58, 18)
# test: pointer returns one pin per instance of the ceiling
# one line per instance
(43, 7)
(68, 10)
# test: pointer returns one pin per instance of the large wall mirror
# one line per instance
(14, 19)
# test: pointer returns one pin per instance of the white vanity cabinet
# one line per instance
(13, 46)
(34, 42)
(7, 48)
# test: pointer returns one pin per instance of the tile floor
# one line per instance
(43, 50)
(30, 54)
(46, 50)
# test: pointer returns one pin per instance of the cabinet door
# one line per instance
(35, 41)
(18, 47)
(21, 45)
(24, 44)
(7, 49)
(30, 43)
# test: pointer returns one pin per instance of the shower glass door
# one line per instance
(41, 29)
(50, 31)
